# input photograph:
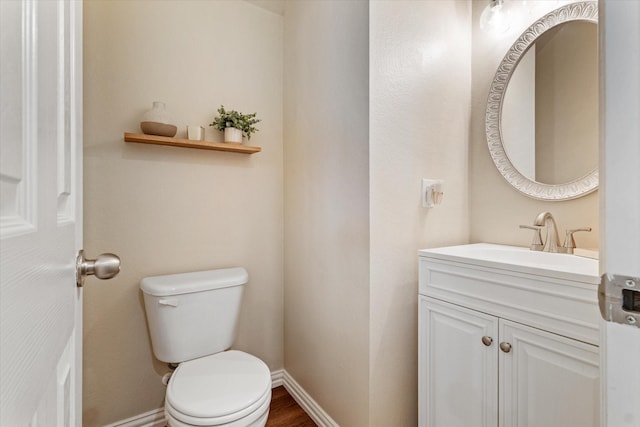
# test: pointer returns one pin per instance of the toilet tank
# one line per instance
(192, 315)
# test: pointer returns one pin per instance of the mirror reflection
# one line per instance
(550, 110)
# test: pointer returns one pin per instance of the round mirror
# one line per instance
(542, 113)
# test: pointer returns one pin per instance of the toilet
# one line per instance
(192, 320)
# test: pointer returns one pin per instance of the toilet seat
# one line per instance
(219, 389)
(255, 419)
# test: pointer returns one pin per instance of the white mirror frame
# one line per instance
(583, 11)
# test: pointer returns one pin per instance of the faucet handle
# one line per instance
(569, 242)
(536, 243)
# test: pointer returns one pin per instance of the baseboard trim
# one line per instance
(153, 418)
(306, 402)
(279, 378)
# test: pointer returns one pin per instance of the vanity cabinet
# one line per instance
(505, 347)
(458, 374)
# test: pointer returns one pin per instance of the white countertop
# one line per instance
(514, 258)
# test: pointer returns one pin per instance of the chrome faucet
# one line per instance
(552, 241)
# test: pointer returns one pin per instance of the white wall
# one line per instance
(420, 91)
(166, 209)
(519, 116)
(326, 173)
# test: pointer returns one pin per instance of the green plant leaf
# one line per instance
(243, 122)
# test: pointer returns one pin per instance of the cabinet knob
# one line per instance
(487, 340)
(505, 346)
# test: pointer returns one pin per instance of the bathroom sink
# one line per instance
(513, 258)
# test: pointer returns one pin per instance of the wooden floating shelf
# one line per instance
(188, 143)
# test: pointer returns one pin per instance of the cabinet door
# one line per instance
(458, 372)
(546, 379)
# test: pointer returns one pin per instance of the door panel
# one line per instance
(547, 380)
(18, 125)
(620, 199)
(40, 212)
(458, 373)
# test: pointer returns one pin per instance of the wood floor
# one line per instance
(285, 412)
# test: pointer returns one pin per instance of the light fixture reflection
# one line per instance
(494, 18)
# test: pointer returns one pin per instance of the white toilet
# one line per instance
(192, 319)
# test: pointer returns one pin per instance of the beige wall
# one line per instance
(165, 209)
(420, 103)
(327, 204)
(496, 209)
(349, 317)
(375, 97)
(567, 103)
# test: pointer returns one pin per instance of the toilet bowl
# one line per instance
(231, 389)
(192, 319)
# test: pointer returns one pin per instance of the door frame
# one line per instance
(77, 121)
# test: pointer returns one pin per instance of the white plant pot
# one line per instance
(233, 135)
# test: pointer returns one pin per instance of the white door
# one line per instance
(620, 200)
(546, 379)
(458, 366)
(40, 212)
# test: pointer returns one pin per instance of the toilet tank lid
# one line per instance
(198, 281)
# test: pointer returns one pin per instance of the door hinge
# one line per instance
(619, 299)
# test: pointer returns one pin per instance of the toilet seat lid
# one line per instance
(230, 384)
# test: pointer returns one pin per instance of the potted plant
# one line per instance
(235, 125)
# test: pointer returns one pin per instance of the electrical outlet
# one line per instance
(431, 192)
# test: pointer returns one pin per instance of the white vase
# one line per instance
(233, 135)
(157, 121)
